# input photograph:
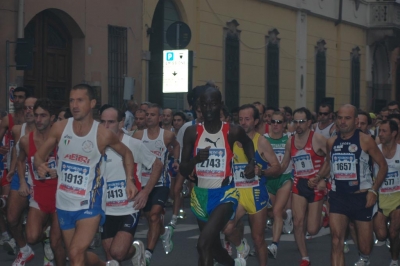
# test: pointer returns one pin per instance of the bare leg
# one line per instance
(299, 209)
(338, 224)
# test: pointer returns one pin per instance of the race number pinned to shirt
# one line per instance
(214, 166)
(344, 166)
(51, 163)
(74, 179)
(391, 183)
(240, 180)
(279, 154)
(303, 164)
(116, 194)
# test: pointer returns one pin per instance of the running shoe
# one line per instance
(394, 263)
(362, 262)
(147, 255)
(23, 258)
(10, 246)
(308, 236)
(47, 262)
(48, 252)
(174, 221)
(325, 215)
(346, 247)
(305, 263)
(139, 258)
(228, 247)
(246, 250)
(4, 238)
(272, 251)
(112, 263)
(240, 262)
(168, 245)
(182, 214)
(253, 252)
(388, 243)
(288, 222)
(269, 224)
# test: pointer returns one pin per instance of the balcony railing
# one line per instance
(384, 15)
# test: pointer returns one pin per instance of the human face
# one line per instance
(109, 119)
(363, 123)
(144, 107)
(19, 99)
(246, 120)
(275, 126)
(393, 108)
(153, 117)
(222, 116)
(235, 117)
(167, 117)
(177, 122)
(268, 116)
(385, 136)
(259, 107)
(346, 121)
(60, 116)
(210, 106)
(288, 117)
(324, 114)
(42, 119)
(199, 115)
(301, 123)
(80, 104)
(384, 115)
(28, 110)
(140, 120)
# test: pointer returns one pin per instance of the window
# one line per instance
(355, 77)
(272, 69)
(320, 73)
(232, 65)
(117, 64)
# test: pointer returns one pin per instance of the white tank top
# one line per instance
(80, 169)
(28, 176)
(159, 149)
(391, 184)
(324, 132)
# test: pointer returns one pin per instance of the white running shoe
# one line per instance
(23, 258)
(240, 262)
(139, 258)
(4, 238)
(167, 239)
(147, 255)
(47, 262)
(308, 236)
(346, 247)
(182, 214)
(48, 252)
(288, 222)
(174, 221)
(10, 246)
(246, 250)
(388, 243)
(228, 247)
(112, 263)
(362, 262)
(272, 251)
(394, 263)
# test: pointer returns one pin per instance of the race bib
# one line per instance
(279, 154)
(344, 166)
(239, 178)
(214, 166)
(391, 183)
(116, 194)
(303, 165)
(51, 164)
(74, 179)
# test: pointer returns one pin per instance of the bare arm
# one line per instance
(12, 166)
(237, 133)
(266, 150)
(176, 149)
(188, 163)
(142, 197)
(373, 150)
(21, 167)
(286, 158)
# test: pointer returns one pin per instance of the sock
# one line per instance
(25, 249)
(306, 258)
(240, 248)
(275, 243)
(174, 217)
(395, 261)
(148, 253)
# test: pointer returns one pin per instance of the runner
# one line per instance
(253, 192)
(279, 188)
(81, 148)
(167, 120)
(213, 199)
(307, 150)
(140, 120)
(353, 193)
(325, 126)
(389, 196)
(122, 216)
(42, 201)
(157, 140)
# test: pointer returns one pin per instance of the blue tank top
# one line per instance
(351, 167)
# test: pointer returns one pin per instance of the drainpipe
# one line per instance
(20, 19)
(339, 20)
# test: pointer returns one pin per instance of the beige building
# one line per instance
(278, 52)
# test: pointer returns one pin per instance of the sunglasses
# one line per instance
(301, 121)
(28, 108)
(273, 121)
(322, 113)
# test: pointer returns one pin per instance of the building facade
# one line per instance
(278, 52)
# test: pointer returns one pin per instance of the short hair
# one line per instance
(181, 114)
(323, 105)
(46, 104)
(120, 114)
(89, 90)
(25, 90)
(139, 111)
(288, 110)
(145, 103)
(269, 108)
(303, 110)
(395, 116)
(392, 125)
(281, 114)
(384, 109)
(67, 112)
(104, 107)
(256, 113)
(369, 119)
(225, 110)
(235, 110)
(213, 90)
(154, 105)
(259, 103)
(391, 103)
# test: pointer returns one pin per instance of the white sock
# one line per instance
(306, 258)
(25, 249)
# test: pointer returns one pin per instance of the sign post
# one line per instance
(175, 71)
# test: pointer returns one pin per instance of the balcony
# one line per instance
(384, 15)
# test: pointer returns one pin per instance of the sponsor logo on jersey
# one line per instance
(353, 148)
(78, 158)
(84, 202)
(87, 146)
(67, 137)
(66, 142)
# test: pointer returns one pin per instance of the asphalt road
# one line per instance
(185, 254)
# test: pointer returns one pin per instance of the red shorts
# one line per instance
(301, 188)
(44, 198)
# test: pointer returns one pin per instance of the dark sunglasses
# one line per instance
(322, 113)
(273, 121)
(301, 121)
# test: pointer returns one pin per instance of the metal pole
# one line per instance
(177, 35)
(7, 72)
